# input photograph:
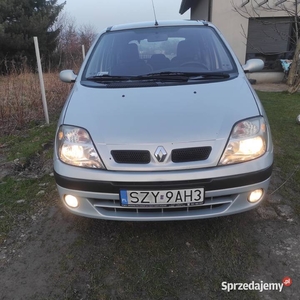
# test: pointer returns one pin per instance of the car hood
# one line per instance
(163, 114)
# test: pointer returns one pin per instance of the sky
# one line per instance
(103, 13)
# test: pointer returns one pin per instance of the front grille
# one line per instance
(190, 154)
(131, 156)
(111, 207)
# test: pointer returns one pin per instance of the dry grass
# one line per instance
(21, 100)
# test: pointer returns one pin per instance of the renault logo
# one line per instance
(160, 154)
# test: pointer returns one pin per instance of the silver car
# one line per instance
(162, 124)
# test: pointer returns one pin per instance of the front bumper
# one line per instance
(223, 196)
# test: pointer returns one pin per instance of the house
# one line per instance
(254, 29)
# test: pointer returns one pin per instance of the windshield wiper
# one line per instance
(106, 77)
(211, 75)
(182, 76)
(163, 76)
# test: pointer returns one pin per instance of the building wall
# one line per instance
(200, 11)
(231, 24)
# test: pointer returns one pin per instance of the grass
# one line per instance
(20, 200)
(282, 110)
(27, 143)
(19, 194)
(165, 260)
(23, 139)
(21, 100)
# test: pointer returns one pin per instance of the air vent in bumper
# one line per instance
(190, 154)
(131, 156)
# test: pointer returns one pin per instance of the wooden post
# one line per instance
(38, 59)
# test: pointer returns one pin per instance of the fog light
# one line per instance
(255, 195)
(71, 201)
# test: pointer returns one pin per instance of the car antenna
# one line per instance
(156, 23)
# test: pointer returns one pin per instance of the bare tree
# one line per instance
(71, 39)
(86, 35)
(255, 9)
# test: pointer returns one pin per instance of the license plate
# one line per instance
(187, 197)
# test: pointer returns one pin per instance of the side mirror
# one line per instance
(67, 76)
(253, 65)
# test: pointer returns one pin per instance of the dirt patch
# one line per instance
(270, 87)
(31, 257)
(35, 166)
(55, 255)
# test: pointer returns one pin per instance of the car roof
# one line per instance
(160, 24)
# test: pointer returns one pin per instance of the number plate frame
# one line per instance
(162, 198)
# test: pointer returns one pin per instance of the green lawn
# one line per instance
(282, 110)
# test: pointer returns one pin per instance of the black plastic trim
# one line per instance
(208, 184)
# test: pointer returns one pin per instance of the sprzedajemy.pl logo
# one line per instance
(256, 286)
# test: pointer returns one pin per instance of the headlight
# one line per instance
(248, 140)
(75, 147)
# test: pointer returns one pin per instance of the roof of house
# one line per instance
(185, 5)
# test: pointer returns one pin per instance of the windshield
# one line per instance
(176, 49)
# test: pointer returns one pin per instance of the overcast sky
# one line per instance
(104, 13)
